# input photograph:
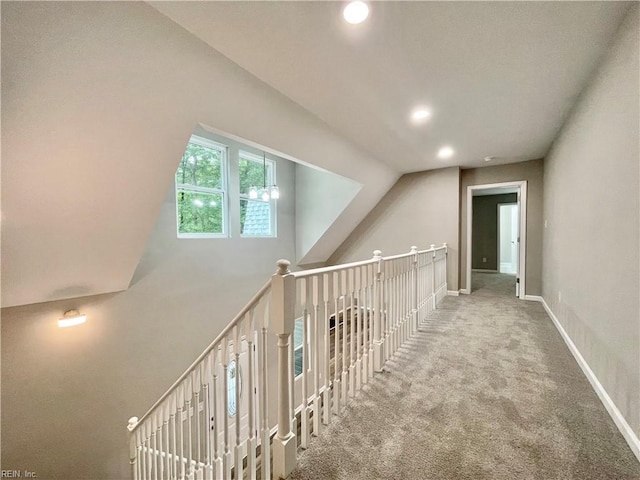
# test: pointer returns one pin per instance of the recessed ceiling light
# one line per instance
(420, 115)
(488, 159)
(445, 152)
(356, 12)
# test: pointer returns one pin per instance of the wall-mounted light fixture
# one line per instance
(71, 318)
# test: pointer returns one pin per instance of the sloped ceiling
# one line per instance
(499, 77)
(99, 100)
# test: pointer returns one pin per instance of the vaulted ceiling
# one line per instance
(99, 99)
(498, 77)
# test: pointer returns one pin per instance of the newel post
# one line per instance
(434, 302)
(282, 319)
(446, 260)
(133, 457)
(414, 290)
(378, 356)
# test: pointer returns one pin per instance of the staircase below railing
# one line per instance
(233, 414)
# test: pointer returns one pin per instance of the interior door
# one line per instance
(508, 238)
(517, 241)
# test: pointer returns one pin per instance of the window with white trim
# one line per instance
(233, 370)
(257, 216)
(298, 342)
(201, 203)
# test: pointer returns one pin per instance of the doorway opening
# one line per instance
(508, 238)
(496, 226)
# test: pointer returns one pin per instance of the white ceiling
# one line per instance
(99, 98)
(499, 77)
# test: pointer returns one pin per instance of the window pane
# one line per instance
(199, 212)
(251, 174)
(255, 218)
(298, 334)
(201, 167)
(298, 339)
(297, 359)
(232, 371)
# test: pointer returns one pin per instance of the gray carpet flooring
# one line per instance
(486, 390)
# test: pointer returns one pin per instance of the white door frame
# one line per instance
(522, 230)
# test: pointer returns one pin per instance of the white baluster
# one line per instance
(173, 408)
(238, 450)
(352, 331)
(366, 319)
(356, 316)
(265, 439)
(315, 346)
(154, 444)
(227, 458)
(303, 285)
(388, 307)
(215, 411)
(292, 391)
(180, 420)
(162, 444)
(326, 371)
(139, 453)
(378, 355)
(191, 410)
(389, 293)
(197, 449)
(205, 369)
(345, 375)
(251, 392)
(433, 278)
(444, 273)
(336, 350)
(146, 451)
(400, 295)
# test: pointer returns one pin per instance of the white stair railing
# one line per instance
(215, 422)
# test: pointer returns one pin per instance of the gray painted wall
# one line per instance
(485, 230)
(530, 171)
(591, 244)
(420, 209)
(68, 393)
(321, 197)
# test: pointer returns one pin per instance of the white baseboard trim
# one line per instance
(453, 293)
(534, 298)
(626, 430)
(465, 291)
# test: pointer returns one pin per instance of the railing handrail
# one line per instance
(333, 268)
(442, 247)
(400, 255)
(254, 300)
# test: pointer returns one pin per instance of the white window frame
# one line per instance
(300, 321)
(223, 192)
(244, 155)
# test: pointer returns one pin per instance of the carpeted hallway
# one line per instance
(486, 390)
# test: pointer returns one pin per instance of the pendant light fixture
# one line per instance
(266, 194)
